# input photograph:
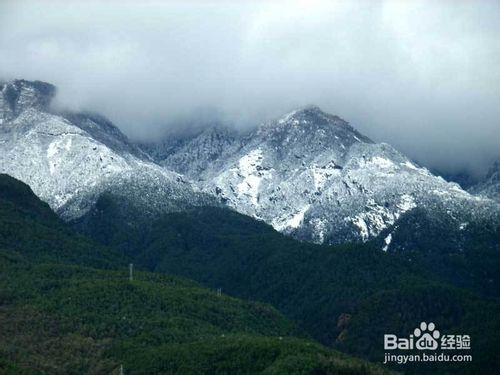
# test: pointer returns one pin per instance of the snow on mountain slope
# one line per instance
(193, 153)
(312, 175)
(70, 159)
(308, 174)
(490, 185)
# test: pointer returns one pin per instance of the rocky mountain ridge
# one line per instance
(312, 175)
(309, 174)
(69, 159)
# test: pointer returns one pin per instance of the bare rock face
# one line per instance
(342, 326)
(20, 94)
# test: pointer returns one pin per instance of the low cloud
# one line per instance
(421, 75)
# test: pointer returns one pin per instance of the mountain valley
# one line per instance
(317, 238)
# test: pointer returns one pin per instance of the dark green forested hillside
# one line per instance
(28, 226)
(67, 306)
(467, 256)
(335, 293)
(71, 319)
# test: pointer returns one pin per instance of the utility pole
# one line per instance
(121, 369)
(131, 272)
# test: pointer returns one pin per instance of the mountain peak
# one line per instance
(314, 124)
(309, 113)
(20, 94)
(310, 108)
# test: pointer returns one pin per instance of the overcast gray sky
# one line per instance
(421, 75)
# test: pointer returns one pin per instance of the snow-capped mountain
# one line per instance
(70, 159)
(197, 151)
(312, 175)
(308, 174)
(490, 185)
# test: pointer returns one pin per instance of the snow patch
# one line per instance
(319, 232)
(52, 149)
(387, 241)
(406, 203)
(382, 162)
(298, 218)
(292, 222)
(377, 218)
(360, 222)
(322, 174)
(409, 164)
(287, 117)
(248, 169)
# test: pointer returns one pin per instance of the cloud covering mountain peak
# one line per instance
(407, 73)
